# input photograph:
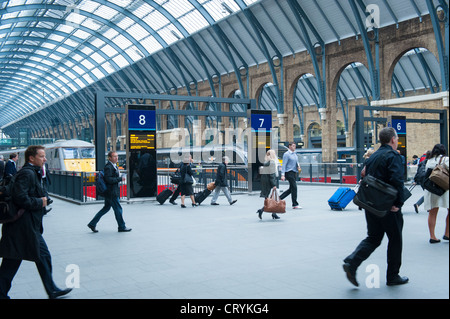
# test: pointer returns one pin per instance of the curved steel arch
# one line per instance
(56, 62)
(63, 34)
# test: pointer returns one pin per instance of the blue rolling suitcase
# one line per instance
(341, 198)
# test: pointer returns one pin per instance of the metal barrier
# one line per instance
(80, 186)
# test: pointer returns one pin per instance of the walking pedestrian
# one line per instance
(391, 171)
(420, 168)
(432, 202)
(269, 175)
(22, 239)
(289, 171)
(112, 196)
(11, 166)
(222, 182)
(186, 188)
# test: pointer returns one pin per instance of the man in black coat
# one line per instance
(112, 196)
(10, 166)
(222, 182)
(2, 167)
(22, 239)
(391, 171)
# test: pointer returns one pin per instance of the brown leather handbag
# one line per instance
(439, 175)
(273, 203)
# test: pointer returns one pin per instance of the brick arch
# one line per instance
(390, 70)
(258, 92)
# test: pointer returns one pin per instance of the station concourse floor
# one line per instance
(226, 252)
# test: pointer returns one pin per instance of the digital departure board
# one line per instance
(141, 151)
(142, 141)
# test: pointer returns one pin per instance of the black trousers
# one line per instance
(392, 225)
(9, 268)
(291, 177)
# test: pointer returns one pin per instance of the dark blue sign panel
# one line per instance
(261, 122)
(141, 120)
(399, 125)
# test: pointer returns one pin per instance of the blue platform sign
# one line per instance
(399, 124)
(142, 120)
(261, 121)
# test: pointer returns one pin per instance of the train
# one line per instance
(79, 156)
(63, 155)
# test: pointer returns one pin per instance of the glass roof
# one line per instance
(73, 43)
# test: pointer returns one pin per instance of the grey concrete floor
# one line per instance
(226, 252)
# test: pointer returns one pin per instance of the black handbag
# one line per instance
(374, 195)
(175, 178)
(188, 179)
(431, 186)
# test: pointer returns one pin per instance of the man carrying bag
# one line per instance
(388, 170)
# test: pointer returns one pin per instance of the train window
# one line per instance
(87, 152)
(70, 153)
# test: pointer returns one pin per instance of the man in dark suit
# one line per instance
(222, 182)
(391, 171)
(2, 167)
(112, 196)
(10, 166)
(22, 239)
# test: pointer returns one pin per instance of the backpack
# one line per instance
(419, 178)
(100, 184)
(9, 212)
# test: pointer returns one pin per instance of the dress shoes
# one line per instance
(172, 202)
(233, 202)
(124, 230)
(351, 274)
(215, 204)
(434, 241)
(445, 237)
(59, 293)
(397, 281)
(92, 228)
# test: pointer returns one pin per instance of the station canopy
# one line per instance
(55, 54)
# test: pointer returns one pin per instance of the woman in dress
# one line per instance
(186, 188)
(269, 175)
(432, 202)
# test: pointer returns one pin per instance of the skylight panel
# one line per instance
(122, 41)
(109, 50)
(106, 12)
(193, 21)
(87, 64)
(97, 58)
(99, 74)
(156, 20)
(151, 44)
(120, 61)
(178, 8)
(138, 32)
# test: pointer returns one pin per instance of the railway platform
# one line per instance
(226, 252)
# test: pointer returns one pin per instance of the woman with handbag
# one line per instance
(269, 174)
(187, 180)
(432, 202)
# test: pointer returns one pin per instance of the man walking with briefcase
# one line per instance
(390, 171)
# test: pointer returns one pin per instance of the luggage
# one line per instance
(200, 197)
(341, 198)
(164, 195)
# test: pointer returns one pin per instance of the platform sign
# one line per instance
(141, 151)
(399, 124)
(260, 143)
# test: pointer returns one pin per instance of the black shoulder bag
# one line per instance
(374, 195)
